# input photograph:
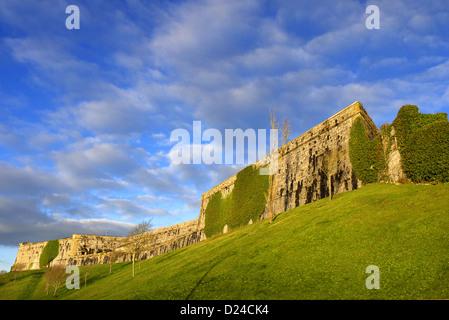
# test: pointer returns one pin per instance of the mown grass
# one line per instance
(317, 251)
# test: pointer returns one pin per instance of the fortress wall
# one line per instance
(64, 251)
(299, 179)
(163, 240)
(93, 249)
(173, 237)
(92, 244)
(28, 255)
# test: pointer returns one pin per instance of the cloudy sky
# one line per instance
(86, 114)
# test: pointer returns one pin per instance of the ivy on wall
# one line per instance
(387, 141)
(366, 155)
(50, 252)
(248, 196)
(423, 141)
(246, 201)
(217, 213)
(409, 120)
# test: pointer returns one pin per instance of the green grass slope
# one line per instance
(317, 251)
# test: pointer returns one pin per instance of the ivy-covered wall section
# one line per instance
(367, 155)
(246, 202)
(423, 141)
(49, 253)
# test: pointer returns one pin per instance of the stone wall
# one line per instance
(162, 240)
(300, 178)
(28, 255)
(393, 157)
(93, 249)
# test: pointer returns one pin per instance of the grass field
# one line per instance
(317, 251)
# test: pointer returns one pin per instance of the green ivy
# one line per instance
(248, 196)
(385, 131)
(428, 153)
(409, 120)
(423, 144)
(245, 202)
(50, 252)
(217, 213)
(366, 155)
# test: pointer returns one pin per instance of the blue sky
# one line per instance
(86, 115)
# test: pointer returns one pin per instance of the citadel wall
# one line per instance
(298, 180)
(94, 249)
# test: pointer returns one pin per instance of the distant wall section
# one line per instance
(94, 249)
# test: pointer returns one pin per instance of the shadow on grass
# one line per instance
(206, 273)
(92, 278)
(31, 286)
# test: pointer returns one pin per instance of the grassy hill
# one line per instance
(317, 251)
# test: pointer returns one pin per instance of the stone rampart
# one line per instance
(299, 179)
(95, 249)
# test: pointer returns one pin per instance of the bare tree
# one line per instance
(54, 277)
(285, 131)
(113, 257)
(138, 239)
(87, 270)
(285, 135)
(274, 141)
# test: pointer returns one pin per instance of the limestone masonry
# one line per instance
(298, 181)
